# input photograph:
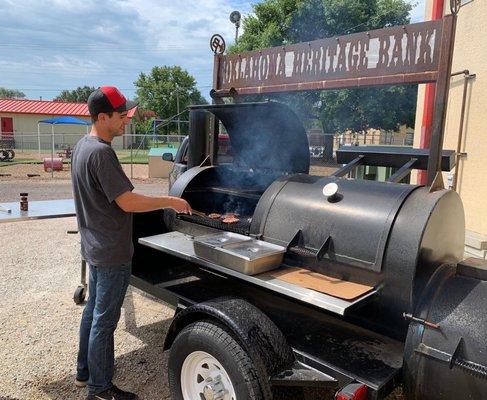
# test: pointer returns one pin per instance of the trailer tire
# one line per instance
(3, 155)
(79, 295)
(10, 154)
(238, 375)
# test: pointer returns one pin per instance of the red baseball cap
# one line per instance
(108, 99)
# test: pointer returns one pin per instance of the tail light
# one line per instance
(354, 391)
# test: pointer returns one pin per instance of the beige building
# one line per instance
(470, 54)
(20, 124)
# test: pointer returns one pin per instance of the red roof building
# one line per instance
(54, 108)
(19, 119)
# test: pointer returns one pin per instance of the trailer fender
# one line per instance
(253, 330)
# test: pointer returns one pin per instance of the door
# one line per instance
(7, 127)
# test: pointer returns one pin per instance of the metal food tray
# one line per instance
(220, 239)
(239, 252)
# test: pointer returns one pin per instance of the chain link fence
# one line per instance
(322, 146)
(131, 149)
(135, 148)
(45, 142)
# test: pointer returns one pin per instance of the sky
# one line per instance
(47, 46)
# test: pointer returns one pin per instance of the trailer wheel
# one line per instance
(79, 295)
(10, 154)
(205, 362)
(3, 155)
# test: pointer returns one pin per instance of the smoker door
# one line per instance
(264, 136)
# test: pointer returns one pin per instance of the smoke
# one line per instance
(266, 139)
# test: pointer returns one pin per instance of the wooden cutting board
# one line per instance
(321, 283)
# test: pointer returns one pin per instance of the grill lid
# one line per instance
(264, 135)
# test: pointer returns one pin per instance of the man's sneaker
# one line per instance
(114, 393)
(80, 383)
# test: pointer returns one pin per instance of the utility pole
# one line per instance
(177, 105)
(235, 19)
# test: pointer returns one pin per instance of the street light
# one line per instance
(235, 18)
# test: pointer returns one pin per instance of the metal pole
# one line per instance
(131, 160)
(460, 130)
(39, 138)
(441, 98)
(52, 151)
(177, 98)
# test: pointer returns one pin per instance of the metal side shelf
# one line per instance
(181, 245)
(10, 212)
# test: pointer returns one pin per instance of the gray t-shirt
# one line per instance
(98, 179)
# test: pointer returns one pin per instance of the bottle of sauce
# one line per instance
(24, 202)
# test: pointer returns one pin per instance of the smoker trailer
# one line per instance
(420, 320)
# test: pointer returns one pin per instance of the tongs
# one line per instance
(194, 212)
(198, 213)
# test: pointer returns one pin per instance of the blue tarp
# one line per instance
(64, 121)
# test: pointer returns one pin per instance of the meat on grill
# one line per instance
(230, 219)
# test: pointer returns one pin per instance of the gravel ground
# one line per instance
(61, 189)
(39, 320)
(20, 171)
(39, 328)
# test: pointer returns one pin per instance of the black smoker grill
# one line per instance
(405, 241)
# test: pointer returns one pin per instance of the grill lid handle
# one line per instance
(296, 246)
(330, 191)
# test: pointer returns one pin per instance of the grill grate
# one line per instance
(242, 226)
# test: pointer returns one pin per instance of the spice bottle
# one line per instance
(24, 202)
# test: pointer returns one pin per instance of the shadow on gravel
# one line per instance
(142, 371)
(144, 333)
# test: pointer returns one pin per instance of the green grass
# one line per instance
(138, 157)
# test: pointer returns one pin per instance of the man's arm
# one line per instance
(133, 202)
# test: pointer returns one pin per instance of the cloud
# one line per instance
(50, 45)
(60, 44)
(418, 11)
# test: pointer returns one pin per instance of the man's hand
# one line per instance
(180, 205)
(133, 202)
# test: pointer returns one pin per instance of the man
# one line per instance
(104, 205)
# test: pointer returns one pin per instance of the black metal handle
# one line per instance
(295, 246)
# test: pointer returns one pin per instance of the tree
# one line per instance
(279, 22)
(78, 95)
(11, 94)
(165, 90)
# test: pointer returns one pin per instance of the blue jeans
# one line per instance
(107, 287)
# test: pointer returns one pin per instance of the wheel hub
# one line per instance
(204, 378)
(214, 390)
